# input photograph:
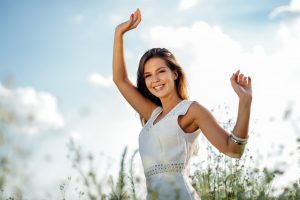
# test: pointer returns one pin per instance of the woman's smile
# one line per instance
(158, 87)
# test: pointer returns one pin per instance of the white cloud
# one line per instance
(293, 7)
(99, 80)
(187, 4)
(102, 81)
(289, 36)
(208, 54)
(200, 39)
(29, 111)
(204, 51)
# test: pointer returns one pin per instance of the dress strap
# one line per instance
(183, 108)
(155, 111)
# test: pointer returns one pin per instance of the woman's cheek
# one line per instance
(147, 81)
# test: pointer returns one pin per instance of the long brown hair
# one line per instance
(169, 58)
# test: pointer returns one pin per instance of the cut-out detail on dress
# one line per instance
(170, 113)
(164, 168)
(157, 111)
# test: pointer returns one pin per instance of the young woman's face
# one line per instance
(159, 78)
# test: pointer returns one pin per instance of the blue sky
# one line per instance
(57, 42)
(55, 65)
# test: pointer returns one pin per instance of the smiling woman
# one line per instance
(172, 123)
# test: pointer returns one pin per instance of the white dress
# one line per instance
(165, 150)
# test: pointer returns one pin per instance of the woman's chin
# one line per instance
(156, 94)
(159, 95)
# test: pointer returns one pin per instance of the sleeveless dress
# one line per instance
(165, 150)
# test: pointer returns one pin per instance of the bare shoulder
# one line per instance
(197, 109)
(199, 113)
(194, 117)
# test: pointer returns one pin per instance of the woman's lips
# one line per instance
(159, 87)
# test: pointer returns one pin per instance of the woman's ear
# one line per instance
(175, 75)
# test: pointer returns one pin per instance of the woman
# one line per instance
(171, 123)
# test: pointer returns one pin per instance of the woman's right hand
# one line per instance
(132, 23)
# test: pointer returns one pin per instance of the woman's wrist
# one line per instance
(246, 99)
(119, 32)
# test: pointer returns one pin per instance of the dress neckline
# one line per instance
(155, 117)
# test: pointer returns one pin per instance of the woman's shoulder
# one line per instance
(194, 104)
(196, 109)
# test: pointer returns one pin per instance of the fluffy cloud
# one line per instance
(209, 56)
(289, 36)
(201, 41)
(99, 80)
(28, 111)
(292, 8)
(102, 81)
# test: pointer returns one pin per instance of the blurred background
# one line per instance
(56, 79)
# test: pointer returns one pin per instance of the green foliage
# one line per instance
(118, 191)
(223, 178)
(12, 156)
(218, 178)
(131, 177)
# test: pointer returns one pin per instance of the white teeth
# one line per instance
(158, 87)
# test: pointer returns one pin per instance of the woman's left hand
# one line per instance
(241, 85)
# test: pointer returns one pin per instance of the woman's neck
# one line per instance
(170, 102)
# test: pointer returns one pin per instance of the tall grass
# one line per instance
(224, 179)
(218, 178)
(221, 178)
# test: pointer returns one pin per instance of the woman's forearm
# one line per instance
(241, 127)
(119, 67)
(243, 118)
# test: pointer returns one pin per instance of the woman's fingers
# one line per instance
(139, 16)
(249, 80)
(136, 14)
(237, 73)
(132, 23)
(135, 19)
(241, 83)
(240, 78)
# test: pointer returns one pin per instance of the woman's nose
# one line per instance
(155, 79)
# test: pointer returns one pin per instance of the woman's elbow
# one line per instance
(115, 80)
(119, 80)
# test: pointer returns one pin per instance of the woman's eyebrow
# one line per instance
(156, 69)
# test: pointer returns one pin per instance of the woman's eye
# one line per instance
(146, 76)
(161, 71)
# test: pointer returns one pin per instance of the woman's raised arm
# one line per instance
(120, 77)
(231, 144)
